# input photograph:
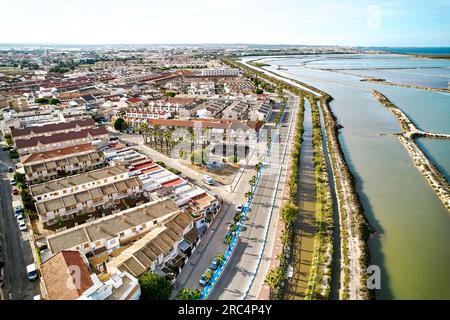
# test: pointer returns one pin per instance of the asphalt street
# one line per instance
(15, 247)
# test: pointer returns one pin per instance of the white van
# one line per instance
(32, 273)
(208, 180)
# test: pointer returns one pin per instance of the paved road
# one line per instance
(15, 247)
(257, 235)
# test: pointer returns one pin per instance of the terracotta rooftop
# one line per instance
(134, 100)
(48, 155)
(48, 128)
(65, 275)
(59, 137)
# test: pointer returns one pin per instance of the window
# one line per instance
(155, 221)
(122, 234)
(98, 243)
(86, 245)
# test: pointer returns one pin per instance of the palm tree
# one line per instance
(185, 294)
(273, 278)
(289, 213)
(143, 128)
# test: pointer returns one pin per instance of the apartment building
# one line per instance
(80, 194)
(163, 248)
(54, 164)
(96, 178)
(143, 114)
(229, 72)
(111, 232)
(96, 136)
(50, 129)
(236, 111)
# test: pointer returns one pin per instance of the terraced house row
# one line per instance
(76, 195)
(53, 164)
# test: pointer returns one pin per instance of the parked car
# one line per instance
(12, 181)
(4, 148)
(214, 265)
(22, 225)
(32, 273)
(208, 180)
(10, 169)
(18, 211)
(20, 218)
(240, 207)
(15, 191)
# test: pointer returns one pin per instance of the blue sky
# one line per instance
(311, 22)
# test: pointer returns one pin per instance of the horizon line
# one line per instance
(215, 43)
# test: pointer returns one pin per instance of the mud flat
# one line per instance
(425, 166)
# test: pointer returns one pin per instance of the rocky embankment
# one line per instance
(404, 85)
(426, 167)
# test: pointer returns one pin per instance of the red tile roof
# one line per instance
(134, 100)
(147, 164)
(173, 183)
(65, 276)
(48, 155)
(59, 137)
(85, 123)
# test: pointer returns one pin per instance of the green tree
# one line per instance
(19, 177)
(41, 100)
(54, 101)
(273, 277)
(189, 294)
(289, 213)
(8, 139)
(170, 94)
(119, 124)
(220, 258)
(13, 154)
(154, 286)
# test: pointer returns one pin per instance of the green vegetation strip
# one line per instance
(319, 283)
(358, 225)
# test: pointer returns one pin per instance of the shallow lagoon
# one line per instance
(413, 228)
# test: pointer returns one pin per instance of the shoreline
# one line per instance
(426, 167)
(353, 223)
